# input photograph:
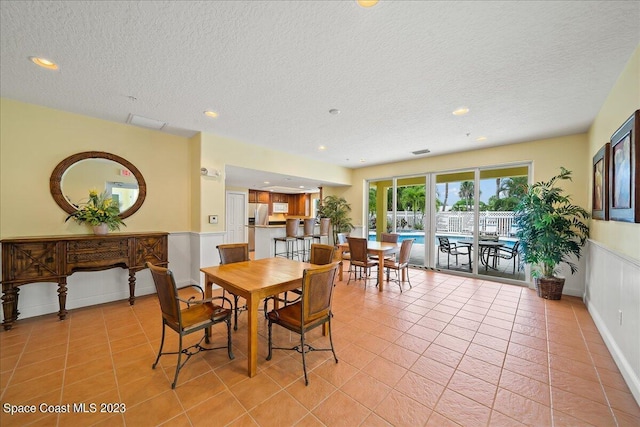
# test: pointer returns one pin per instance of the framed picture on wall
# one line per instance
(624, 176)
(600, 199)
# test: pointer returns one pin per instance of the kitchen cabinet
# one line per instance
(279, 198)
(298, 204)
(256, 196)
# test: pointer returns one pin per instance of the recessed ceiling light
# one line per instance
(367, 3)
(302, 186)
(481, 138)
(267, 182)
(211, 114)
(363, 160)
(44, 63)
(461, 111)
(322, 148)
(334, 111)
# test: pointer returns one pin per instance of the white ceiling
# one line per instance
(273, 69)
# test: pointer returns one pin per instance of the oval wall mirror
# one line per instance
(73, 177)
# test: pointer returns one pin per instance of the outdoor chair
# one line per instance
(445, 246)
(511, 253)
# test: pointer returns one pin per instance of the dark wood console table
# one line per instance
(53, 258)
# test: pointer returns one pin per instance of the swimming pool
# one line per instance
(419, 238)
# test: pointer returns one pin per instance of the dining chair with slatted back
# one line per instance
(387, 238)
(199, 314)
(401, 265)
(320, 255)
(230, 253)
(313, 310)
(360, 260)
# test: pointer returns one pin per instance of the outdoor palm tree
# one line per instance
(414, 198)
(466, 192)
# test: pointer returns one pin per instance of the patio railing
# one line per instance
(500, 222)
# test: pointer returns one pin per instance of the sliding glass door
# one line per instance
(461, 221)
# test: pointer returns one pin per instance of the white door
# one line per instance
(236, 217)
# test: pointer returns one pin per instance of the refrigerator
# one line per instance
(258, 215)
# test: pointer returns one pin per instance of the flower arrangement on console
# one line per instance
(100, 209)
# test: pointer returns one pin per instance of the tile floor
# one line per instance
(451, 351)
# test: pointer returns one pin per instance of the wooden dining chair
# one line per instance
(387, 238)
(360, 261)
(401, 265)
(199, 314)
(313, 310)
(230, 253)
(320, 255)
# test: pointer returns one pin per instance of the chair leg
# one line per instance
(175, 379)
(304, 361)
(229, 348)
(235, 312)
(161, 346)
(270, 342)
(331, 340)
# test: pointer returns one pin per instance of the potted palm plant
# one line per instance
(551, 229)
(337, 210)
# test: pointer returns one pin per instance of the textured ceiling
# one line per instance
(273, 69)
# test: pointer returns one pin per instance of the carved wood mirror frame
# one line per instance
(57, 174)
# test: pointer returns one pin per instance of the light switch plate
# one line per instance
(213, 219)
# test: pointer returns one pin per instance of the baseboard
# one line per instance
(633, 381)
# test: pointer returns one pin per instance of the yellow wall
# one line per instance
(34, 139)
(217, 152)
(546, 155)
(622, 101)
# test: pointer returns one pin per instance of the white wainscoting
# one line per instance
(613, 286)
(188, 252)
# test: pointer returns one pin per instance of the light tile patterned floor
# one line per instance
(451, 351)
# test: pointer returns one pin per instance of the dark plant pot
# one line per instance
(549, 287)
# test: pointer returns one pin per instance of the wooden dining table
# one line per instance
(254, 281)
(380, 249)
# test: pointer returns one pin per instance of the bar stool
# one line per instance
(290, 239)
(325, 223)
(307, 237)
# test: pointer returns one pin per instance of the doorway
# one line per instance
(236, 215)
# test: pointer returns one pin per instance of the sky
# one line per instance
(487, 189)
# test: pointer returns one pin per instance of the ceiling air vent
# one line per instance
(145, 122)
(417, 153)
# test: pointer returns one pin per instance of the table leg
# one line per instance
(207, 294)
(380, 270)
(252, 336)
